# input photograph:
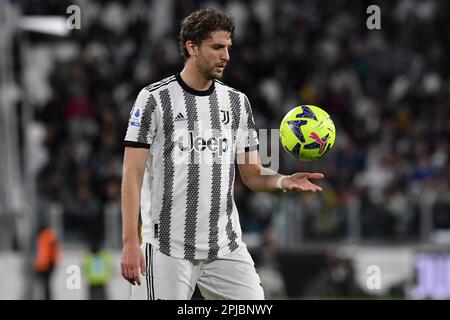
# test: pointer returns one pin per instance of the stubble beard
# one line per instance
(211, 76)
(208, 73)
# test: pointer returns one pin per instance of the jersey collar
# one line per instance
(193, 91)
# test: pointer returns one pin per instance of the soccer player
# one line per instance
(184, 136)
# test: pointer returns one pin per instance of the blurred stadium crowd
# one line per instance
(387, 91)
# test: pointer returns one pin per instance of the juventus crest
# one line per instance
(225, 116)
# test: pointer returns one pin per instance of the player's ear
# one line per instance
(191, 48)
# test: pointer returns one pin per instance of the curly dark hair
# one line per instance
(199, 25)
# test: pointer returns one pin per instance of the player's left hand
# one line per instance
(300, 182)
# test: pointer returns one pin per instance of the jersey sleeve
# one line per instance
(142, 123)
(247, 137)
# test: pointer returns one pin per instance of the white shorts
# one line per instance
(232, 277)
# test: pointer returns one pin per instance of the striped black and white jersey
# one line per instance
(187, 203)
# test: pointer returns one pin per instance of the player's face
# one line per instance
(213, 55)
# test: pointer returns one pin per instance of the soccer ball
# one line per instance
(307, 132)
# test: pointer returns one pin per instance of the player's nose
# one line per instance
(225, 55)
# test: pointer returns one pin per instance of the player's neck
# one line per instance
(194, 78)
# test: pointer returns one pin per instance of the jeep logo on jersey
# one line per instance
(214, 144)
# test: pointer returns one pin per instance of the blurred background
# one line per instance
(380, 228)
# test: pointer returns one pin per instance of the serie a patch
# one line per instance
(136, 119)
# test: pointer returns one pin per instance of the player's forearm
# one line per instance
(131, 187)
(263, 181)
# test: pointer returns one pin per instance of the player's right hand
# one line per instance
(132, 264)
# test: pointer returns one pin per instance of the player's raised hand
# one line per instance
(300, 182)
(132, 264)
